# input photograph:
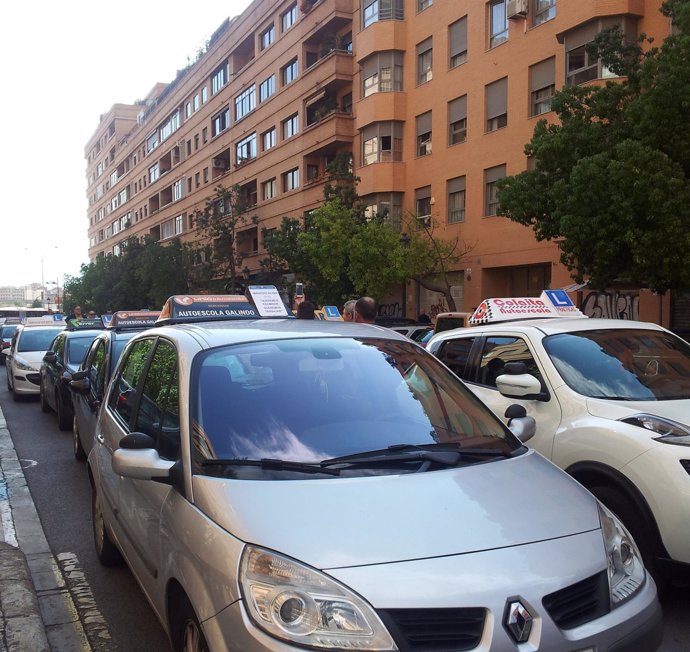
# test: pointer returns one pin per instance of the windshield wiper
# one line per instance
(442, 454)
(268, 463)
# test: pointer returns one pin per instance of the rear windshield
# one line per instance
(311, 399)
(8, 332)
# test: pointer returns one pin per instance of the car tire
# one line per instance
(79, 452)
(638, 526)
(63, 414)
(42, 399)
(106, 550)
(186, 632)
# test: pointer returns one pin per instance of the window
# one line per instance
(382, 142)
(543, 10)
(491, 176)
(291, 180)
(424, 4)
(245, 149)
(268, 189)
(289, 72)
(152, 142)
(123, 397)
(268, 36)
(154, 172)
(204, 95)
(158, 413)
(204, 131)
(178, 189)
(195, 102)
(219, 78)
(423, 127)
(187, 110)
(205, 173)
(167, 229)
(499, 350)
(580, 66)
(267, 88)
(384, 205)
(498, 19)
(290, 126)
(497, 104)
(422, 200)
(382, 73)
(375, 10)
(179, 224)
(289, 18)
(455, 354)
(424, 61)
(542, 86)
(457, 120)
(245, 102)
(457, 43)
(220, 122)
(456, 200)
(268, 139)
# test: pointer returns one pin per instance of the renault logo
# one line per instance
(518, 621)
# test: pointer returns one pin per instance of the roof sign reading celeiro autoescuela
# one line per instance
(261, 301)
(551, 303)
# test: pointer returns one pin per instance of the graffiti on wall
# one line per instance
(611, 305)
(392, 309)
(436, 308)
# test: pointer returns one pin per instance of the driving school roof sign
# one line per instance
(551, 303)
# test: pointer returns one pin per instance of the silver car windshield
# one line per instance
(311, 400)
(632, 365)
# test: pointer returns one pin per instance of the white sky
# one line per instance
(62, 64)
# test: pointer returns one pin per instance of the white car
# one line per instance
(30, 343)
(278, 484)
(612, 402)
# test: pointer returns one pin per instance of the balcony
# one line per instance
(336, 127)
(382, 35)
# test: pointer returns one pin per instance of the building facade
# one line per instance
(434, 98)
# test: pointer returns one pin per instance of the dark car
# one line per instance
(7, 330)
(89, 382)
(59, 363)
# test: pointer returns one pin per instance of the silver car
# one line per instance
(281, 484)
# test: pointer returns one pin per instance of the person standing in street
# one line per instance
(365, 310)
(349, 310)
(305, 310)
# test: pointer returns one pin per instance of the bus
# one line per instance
(21, 313)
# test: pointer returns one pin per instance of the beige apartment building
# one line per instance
(434, 98)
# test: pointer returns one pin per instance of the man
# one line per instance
(349, 310)
(365, 310)
(305, 310)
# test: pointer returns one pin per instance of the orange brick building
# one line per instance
(434, 98)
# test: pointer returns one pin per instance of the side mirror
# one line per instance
(522, 426)
(50, 357)
(80, 383)
(136, 458)
(522, 385)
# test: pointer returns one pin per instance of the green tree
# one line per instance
(609, 180)
(218, 226)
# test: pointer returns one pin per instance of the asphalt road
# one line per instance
(111, 605)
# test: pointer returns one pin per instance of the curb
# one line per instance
(37, 612)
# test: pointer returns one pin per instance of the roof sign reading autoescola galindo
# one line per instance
(123, 319)
(551, 303)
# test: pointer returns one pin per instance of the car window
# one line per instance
(8, 332)
(455, 354)
(158, 412)
(306, 400)
(623, 364)
(499, 350)
(77, 348)
(123, 397)
(58, 345)
(31, 339)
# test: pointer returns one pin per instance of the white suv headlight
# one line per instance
(670, 432)
(625, 568)
(24, 366)
(295, 603)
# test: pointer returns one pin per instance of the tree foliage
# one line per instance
(610, 180)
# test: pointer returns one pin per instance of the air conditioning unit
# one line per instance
(219, 163)
(517, 8)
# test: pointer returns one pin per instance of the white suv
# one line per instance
(612, 403)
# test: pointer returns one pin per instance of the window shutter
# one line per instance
(497, 98)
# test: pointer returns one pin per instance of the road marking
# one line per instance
(27, 464)
(9, 534)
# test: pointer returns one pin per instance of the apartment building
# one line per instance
(435, 99)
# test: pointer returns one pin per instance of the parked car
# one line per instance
(415, 332)
(282, 484)
(612, 400)
(7, 330)
(63, 358)
(23, 359)
(88, 383)
(446, 321)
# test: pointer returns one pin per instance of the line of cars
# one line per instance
(278, 484)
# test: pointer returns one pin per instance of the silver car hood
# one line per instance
(358, 521)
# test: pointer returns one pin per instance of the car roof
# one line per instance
(219, 333)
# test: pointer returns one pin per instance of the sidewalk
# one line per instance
(36, 610)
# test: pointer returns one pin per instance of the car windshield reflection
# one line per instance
(630, 365)
(311, 400)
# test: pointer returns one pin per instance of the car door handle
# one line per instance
(100, 438)
(95, 405)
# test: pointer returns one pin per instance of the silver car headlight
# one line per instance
(670, 432)
(23, 366)
(295, 603)
(625, 568)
